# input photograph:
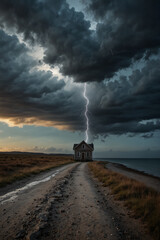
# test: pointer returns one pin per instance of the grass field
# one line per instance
(142, 200)
(14, 166)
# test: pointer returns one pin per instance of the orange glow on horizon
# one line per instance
(20, 122)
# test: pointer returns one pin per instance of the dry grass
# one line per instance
(16, 166)
(142, 200)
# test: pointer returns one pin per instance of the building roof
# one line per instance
(91, 146)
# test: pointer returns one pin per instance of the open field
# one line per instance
(143, 201)
(15, 166)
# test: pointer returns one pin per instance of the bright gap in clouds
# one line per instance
(37, 53)
(86, 53)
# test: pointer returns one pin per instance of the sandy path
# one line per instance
(20, 216)
(147, 180)
(81, 217)
(71, 205)
(85, 210)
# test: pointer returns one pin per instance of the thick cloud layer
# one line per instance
(62, 31)
(29, 96)
(126, 31)
(128, 28)
(126, 105)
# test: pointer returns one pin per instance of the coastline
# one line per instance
(150, 166)
(135, 170)
(137, 193)
(145, 178)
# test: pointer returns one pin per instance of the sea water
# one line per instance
(147, 165)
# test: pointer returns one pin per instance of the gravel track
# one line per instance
(71, 205)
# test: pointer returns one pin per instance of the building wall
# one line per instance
(83, 147)
(83, 153)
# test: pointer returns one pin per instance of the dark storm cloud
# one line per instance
(128, 26)
(127, 30)
(28, 95)
(63, 32)
(148, 135)
(121, 106)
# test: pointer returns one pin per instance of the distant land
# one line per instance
(36, 153)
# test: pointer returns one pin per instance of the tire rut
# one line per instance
(79, 214)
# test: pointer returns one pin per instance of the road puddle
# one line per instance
(11, 196)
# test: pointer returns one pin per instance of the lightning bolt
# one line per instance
(86, 112)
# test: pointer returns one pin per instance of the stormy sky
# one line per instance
(50, 48)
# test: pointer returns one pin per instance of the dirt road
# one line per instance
(68, 205)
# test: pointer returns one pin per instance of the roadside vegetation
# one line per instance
(15, 166)
(143, 201)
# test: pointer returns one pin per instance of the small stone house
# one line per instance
(83, 151)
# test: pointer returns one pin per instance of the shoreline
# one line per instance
(140, 176)
(120, 165)
(125, 164)
(137, 193)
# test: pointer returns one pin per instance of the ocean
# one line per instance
(147, 165)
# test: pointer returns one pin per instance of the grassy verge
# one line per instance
(17, 166)
(142, 200)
